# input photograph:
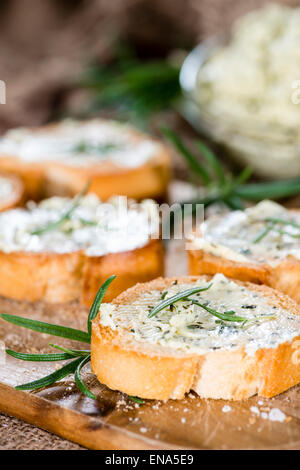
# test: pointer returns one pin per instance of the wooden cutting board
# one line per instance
(114, 421)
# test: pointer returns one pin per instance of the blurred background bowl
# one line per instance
(273, 152)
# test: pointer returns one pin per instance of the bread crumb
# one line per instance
(277, 415)
(226, 408)
(255, 410)
(265, 409)
(252, 420)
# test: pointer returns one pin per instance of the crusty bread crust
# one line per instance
(54, 277)
(285, 276)
(156, 372)
(17, 196)
(52, 178)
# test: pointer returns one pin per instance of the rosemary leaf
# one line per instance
(282, 222)
(79, 382)
(175, 298)
(39, 357)
(50, 329)
(264, 232)
(71, 352)
(268, 190)
(284, 232)
(51, 378)
(190, 158)
(234, 202)
(212, 160)
(54, 225)
(97, 302)
(226, 316)
(136, 400)
(243, 176)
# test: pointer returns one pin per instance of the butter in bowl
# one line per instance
(243, 90)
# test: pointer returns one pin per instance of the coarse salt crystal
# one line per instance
(255, 410)
(226, 408)
(277, 415)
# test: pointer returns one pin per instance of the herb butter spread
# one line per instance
(265, 233)
(184, 326)
(63, 225)
(78, 143)
(6, 189)
(250, 81)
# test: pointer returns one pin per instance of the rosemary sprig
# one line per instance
(80, 357)
(175, 298)
(48, 328)
(226, 316)
(97, 302)
(185, 295)
(218, 186)
(51, 378)
(132, 87)
(65, 217)
(99, 148)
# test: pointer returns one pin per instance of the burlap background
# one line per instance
(44, 45)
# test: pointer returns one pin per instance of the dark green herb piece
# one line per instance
(65, 217)
(99, 148)
(264, 232)
(137, 400)
(226, 316)
(175, 298)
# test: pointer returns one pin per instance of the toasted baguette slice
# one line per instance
(128, 162)
(11, 192)
(125, 358)
(218, 256)
(53, 267)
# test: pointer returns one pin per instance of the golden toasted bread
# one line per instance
(46, 176)
(281, 272)
(149, 369)
(55, 277)
(11, 191)
(63, 249)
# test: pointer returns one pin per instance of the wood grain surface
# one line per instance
(114, 421)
